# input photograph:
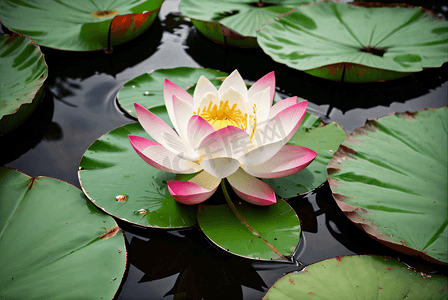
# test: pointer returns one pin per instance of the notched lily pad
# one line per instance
(147, 89)
(271, 233)
(119, 182)
(54, 243)
(390, 178)
(23, 72)
(234, 22)
(356, 44)
(358, 277)
(84, 26)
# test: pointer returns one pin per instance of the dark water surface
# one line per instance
(80, 106)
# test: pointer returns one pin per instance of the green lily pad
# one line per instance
(390, 178)
(54, 243)
(84, 26)
(23, 72)
(356, 44)
(234, 22)
(273, 234)
(324, 140)
(147, 89)
(118, 181)
(358, 277)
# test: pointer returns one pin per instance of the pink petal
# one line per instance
(160, 158)
(188, 192)
(267, 80)
(229, 141)
(169, 90)
(236, 81)
(289, 160)
(152, 124)
(198, 129)
(251, 189)
(282, 126)
(220, 167)
(182, 113)
(281, 105)
(203, 87)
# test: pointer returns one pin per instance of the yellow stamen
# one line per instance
(223, 116)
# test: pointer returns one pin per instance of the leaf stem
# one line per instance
(233, 208)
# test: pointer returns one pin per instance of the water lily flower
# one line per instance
(231, 133)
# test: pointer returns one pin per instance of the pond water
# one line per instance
(80, 105)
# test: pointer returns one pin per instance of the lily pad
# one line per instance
(358, 277)
(54, 243)
(147, 89)
(234, 22)
(390, 178)
(23, 72)
(84, 26)
(118, 181)
(324, 140)
(339, 41)
(270, 233)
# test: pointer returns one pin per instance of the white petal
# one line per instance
(263, 105)
(282, 126)
(179, 147)
(236, 81)
(183, 111)
(220, 167)
(203, 87)
(261, 154)
(197, 130)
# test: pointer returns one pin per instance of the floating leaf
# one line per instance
(235, 21)
(324, 140)
(147, 89)
(390, 178)
(54, 243)
(356, 44)
(23, 72)
(358, 277)
(270, 233)
(111, 168)
(84, 26)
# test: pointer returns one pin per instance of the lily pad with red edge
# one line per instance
(82, 26)
(234, 22)
(119, 182)
(358, 277)
(23, 72)
(147, 89)
(390, 178)
(54, 243)
(324, 140)
(339, 41)
(269, 232)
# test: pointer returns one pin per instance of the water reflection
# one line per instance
(28, 135)
(195, 269)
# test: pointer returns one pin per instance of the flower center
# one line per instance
(223, 116)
